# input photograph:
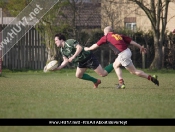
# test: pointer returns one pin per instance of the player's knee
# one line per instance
(136, 73)
(133, 72)
(103, 75)
(115, 65)
(78, 76)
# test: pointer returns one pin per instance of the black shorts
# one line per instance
(90, 62)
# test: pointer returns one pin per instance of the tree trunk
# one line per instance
(50, 48)
(49, 54)
(157, 62)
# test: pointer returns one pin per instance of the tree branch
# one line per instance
(149, 12)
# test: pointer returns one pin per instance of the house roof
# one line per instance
(87, 15)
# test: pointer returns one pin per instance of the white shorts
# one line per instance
(125, 57)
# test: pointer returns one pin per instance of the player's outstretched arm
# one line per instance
(142, 49)
(93, 47)
(63, 64)
(77, 52)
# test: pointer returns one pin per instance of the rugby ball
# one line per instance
(51, 65)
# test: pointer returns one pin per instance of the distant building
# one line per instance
(6, 19)
(84, 15)
(121, 13)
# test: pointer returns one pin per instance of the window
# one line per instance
(130, 23)
(131, 26)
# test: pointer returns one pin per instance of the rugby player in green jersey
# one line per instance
(73, 52)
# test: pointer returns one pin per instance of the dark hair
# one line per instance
(60, 36)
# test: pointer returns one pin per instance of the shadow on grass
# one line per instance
(108, 87)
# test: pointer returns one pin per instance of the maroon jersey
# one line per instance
(116, 42)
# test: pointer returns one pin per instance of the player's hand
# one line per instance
(54, 69)
(45, 69)
(86, 48)
(142, 49)
(71, 59)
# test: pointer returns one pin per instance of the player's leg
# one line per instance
(118, 72)
(80, 73)
(101, 72)
(131, 68)
(104, 72)
(109, 68)
(94, 64)
(117, 68)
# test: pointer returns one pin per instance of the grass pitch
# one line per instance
(61, 95)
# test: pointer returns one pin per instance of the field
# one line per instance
(34, 94)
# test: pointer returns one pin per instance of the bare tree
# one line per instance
(80, 15)
(157, 13)
(111, 13)
(63, 17)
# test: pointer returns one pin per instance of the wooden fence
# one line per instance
(28, 53)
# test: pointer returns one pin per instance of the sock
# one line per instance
(109, 68)
(89, 78)
(149, 77)
(121, 81)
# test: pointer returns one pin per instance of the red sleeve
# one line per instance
(102, 41)
(126, 39)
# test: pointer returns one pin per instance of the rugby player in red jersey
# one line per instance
(119, 44)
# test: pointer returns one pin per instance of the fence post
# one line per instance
(102, 59)
(143, 60)
(134, 55)
(163, 56)
(109, 56)
(147, 55)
